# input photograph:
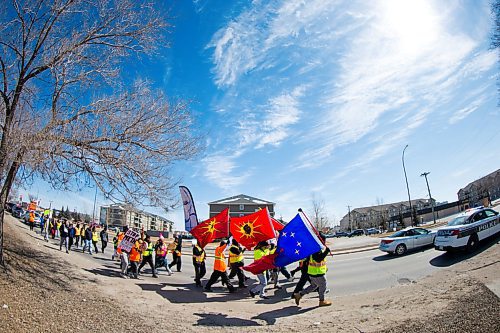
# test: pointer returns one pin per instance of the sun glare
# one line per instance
(413, 24)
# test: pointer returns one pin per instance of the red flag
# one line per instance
(261, 265)
(250, 229)
(277, 225)
(213, 228)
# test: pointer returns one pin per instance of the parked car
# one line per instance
(357, 232)
(8, 206)
(407, 239)
(341, 234)
(26, 218)
(372, 231)
(17, 212)
(468, 229)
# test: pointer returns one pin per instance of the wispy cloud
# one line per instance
(221, 170)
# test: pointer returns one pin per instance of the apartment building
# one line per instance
(381, 215)
(481, 191)
(240, 205)
(119, 215)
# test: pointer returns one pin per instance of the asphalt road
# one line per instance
(371, 270)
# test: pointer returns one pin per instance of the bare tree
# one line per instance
(66, 115)
(320, 218)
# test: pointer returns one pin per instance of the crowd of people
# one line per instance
(144, 251)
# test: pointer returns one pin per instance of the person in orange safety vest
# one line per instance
(220, 269)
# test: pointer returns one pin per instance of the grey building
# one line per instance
(381, 215)
(481, 192)
(119, 215)
(240, 205)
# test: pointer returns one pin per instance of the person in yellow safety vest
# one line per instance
(135, 259)
(176, 254)
(78, 230)
(220, 269)
(147, 256)
(261, 250)
(95, 238)
(236, 262)
(199, 264)
(316, 270)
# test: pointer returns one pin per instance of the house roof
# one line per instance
(241, 199)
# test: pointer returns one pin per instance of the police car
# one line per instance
(468, 229)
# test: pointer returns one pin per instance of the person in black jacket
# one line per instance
(236, 262)
(200, 270)
(176, 254)
(316, 270)
(88, 239)
(64, 232)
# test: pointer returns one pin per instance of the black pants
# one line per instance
(95, 247)
(176, 261)
(32, 225)
(199, 272)
(236, 270)
(225, 280)
(77, 241)
(285, 273)
(149, 260)
(104, 244)
(70, 243)
(304, 278)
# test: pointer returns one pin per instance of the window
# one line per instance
(242, 207)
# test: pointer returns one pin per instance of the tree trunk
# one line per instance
(9, 180)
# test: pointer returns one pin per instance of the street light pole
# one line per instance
(430, 196)
(407, 187)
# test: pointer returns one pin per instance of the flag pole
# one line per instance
(315, 230)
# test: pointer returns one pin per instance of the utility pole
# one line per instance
(407, 187)
(430, 196)
(93, 209)
(349, 209)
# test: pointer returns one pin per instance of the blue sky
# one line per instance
(302, 98)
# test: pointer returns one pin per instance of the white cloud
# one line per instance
(220, 170)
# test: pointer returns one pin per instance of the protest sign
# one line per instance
(131, 236)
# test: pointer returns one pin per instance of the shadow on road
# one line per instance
(222, 320)
(271, 316)
(389, 256)
(451, 258)
(104, 272)
(189, 293)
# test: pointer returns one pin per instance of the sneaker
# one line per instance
(169, 273)
(252, 294)
(264, 297)
(327, 291)
(325, 303)
(297, 298)
(155, 276)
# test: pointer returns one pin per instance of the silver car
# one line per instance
(407, 239)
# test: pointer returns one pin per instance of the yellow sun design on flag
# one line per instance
(247, 229)
(210, 227)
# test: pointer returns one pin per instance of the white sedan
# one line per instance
(407, 239)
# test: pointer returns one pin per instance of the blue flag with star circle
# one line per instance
(297, 241)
